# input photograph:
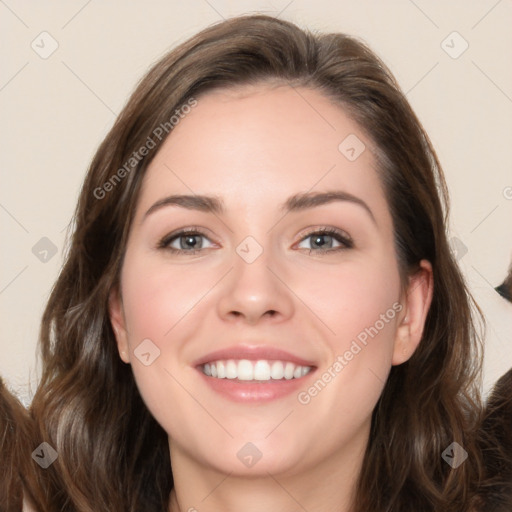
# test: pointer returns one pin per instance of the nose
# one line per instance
(255, 291)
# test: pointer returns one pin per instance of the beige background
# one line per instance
(56, 110)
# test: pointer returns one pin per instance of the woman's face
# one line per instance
(257, 291)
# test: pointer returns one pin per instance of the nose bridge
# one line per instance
(252, 276)
(253, 288)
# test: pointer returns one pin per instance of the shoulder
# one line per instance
(28, 506)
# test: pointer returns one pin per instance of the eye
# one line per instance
(322, 240)
(184, 241)
(188, 241)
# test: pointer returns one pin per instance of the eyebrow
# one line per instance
(297, 202)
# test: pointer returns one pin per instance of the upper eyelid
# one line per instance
(328, 229)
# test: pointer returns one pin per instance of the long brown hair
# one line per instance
(495, 440)
(113, 455)
(18, 471)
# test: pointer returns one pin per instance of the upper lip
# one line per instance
(252, 353)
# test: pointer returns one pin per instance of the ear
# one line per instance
(417, 300)
(116, 314)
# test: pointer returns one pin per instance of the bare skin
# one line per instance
(254, 147)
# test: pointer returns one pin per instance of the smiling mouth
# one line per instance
(260, 370)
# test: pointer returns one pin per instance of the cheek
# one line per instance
(350, 297)
(360, 305)
(158, 303)
(156, 298)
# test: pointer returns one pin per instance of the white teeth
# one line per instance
(245, 370)
(221, 370)
(277, 370)
(260, 370)
(231, 372)
(288, 371)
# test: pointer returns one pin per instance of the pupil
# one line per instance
(190, 239)
(319, 237)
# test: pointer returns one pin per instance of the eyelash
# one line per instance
(340, 236)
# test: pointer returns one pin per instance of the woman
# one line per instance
(198, 356)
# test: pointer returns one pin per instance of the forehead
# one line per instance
(255, 145)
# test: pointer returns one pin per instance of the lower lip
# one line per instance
(254, 391)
